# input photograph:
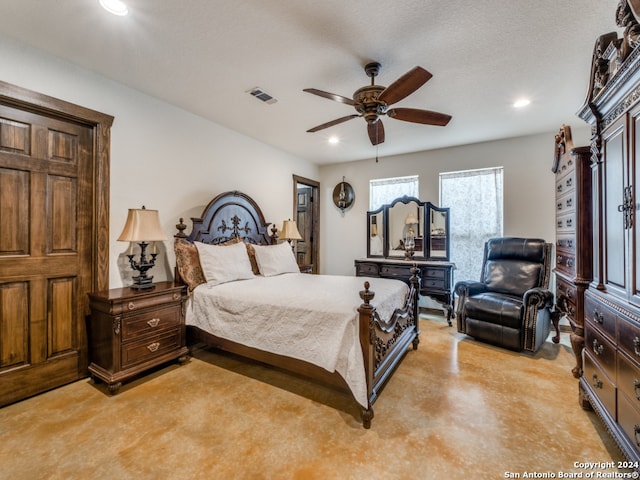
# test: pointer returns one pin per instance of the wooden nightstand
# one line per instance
(131, 331)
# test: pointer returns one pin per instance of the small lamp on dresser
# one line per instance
(410, 239)
(142, 227)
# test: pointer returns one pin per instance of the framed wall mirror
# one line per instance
(408, 228)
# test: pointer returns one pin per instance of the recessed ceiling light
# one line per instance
(523, 102)
(334, 140)
(114, 6)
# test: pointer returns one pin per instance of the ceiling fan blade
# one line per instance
(332, 123)
(330, 96)
(419, 116)
(376, 132)
(405, 85)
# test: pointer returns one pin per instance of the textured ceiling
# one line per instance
(203, 55)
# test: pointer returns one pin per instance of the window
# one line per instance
(475, 200)
(385, 190)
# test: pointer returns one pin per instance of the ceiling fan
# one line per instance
(373, 101)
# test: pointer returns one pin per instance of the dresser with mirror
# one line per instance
(409, 232)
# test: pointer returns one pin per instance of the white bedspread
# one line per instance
(309, 317)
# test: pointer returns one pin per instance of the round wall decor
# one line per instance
(343, 195)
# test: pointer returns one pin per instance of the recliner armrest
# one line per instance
(541, 297)
(469, 288)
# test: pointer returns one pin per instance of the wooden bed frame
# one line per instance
(384, 342)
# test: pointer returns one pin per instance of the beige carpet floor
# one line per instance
(456, 408)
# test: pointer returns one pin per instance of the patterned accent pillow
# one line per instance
(252, 258)
(188, 263)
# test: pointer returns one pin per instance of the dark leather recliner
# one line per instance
(511, 305)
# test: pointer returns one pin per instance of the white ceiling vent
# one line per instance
(262, 95)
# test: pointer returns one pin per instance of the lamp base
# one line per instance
(142, 283)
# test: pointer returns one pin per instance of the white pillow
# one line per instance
(221, 264)
(275, 259)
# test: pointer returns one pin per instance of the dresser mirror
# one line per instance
(408, 228)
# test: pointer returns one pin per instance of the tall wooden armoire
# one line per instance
(573, 269)
(611, 379)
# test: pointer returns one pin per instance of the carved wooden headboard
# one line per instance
(227, 216)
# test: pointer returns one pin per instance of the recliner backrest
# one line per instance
(514, 265)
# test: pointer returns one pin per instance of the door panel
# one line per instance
(614, 236)
(46, 215)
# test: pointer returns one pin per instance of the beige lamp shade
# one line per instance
(142, 226)
(411, 219)
(290, 231)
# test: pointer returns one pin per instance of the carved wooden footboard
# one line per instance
(384, 342)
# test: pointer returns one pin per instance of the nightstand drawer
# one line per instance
(150, 301)
(150, 321)
(151, 347)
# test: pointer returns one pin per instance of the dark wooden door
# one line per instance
(304, 220)
(46, 230)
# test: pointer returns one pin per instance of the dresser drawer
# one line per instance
(600, 383)
(566, 261)
(566, 241)
(600, 316)
(366, 269)
(566, 294)
(565, 223)
(150, 321)
(151, 347)
(431, 283)
(565, 203)
(429, 272)
(629, 420)
(565, 183)
(629, 338)
(628, 379)
(395, 271)
(603, 351)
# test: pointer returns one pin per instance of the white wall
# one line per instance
(162, 157)
(529, 190)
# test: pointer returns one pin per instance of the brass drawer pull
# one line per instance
(154, 322)
(131, 306)
(153, 347)
(596, 383)
(597, 348)
(176, 296)
(636, 386)
(636, 346)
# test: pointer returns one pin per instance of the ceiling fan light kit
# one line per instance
(373, 101)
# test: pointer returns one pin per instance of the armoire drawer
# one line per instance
(629, 338)
(566, 294)
(600, 383)
(600, 316)
(628, 379)
(602, 350)
(629, 419)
